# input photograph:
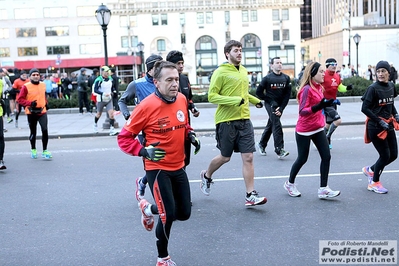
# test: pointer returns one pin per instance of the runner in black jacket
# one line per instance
(275, 90)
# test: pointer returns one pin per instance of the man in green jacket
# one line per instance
(234, 129)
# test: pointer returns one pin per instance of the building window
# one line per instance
(200, 18)
(155, 20)
(182, 18)
(209, 18)
(227, 17)
(58, 50)
(92, 48)
(26, 32)
(57, 31)
(254, 15)
(89, 30)
(3, 14)
(24, 13)
(27, 51)
(85, 11)
(134, 40)
(276, 14)
(4, 33)
(286, 35)
(161, 45)
(285, 14)
(55, 12)
(4, 52)
(244, 16)
(276, 35)
(128, 21)
(164, 19)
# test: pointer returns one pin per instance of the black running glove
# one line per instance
(127, 116)
(33, 104)
(322, 104)
(151, 153)
(195, 141)
(383, 124)
(242, 102)
(259, 105)
(349, 87)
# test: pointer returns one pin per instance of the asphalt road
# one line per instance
(79, 208)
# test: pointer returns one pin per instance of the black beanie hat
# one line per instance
(330, 61)
(174, 56)
(33, 70)
(383, 64)
(149, 63)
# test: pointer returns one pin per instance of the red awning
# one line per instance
(78, 63)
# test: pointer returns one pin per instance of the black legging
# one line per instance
(303, 145)
(19, 109)
(2, 143)
(32, 121)
(386, 148)
(171, 192)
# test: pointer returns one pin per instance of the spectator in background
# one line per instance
(369, 73)
(3, 84)
(49, 86)
(93, 97)
(115, 93)
(66, 86)
(254, 80)
(74, 81)
(83, 90)
(345, 72)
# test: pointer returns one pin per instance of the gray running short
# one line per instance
(331, 114)
(108, 106)
(235, 136)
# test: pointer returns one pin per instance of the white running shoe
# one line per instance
(95, 128)
(292, 190)
(327, 192)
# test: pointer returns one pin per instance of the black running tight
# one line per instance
(303, 146)
(387, 149)
(171, 192)
(32, 121)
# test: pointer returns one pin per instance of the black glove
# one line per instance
(127, 115)
(349, 87)
(33, 104)
(396, 117)
(322, 104)
(383, 124)
(259, 104)
(191, 106)
(151, 153)
(242, 101)
(47, 106)
(195, 141)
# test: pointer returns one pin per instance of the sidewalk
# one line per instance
(67, 123)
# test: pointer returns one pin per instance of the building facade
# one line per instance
(335, 23)
(67, 36)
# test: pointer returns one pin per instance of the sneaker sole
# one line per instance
(329, 197)
(283, 156)
(149, 226)
(376, 191)
(248, 204)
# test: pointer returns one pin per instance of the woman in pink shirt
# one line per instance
(310, 127)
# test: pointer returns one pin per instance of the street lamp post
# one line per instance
(357, 39)
(303, 51)
(103, 15)
(140, 47)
